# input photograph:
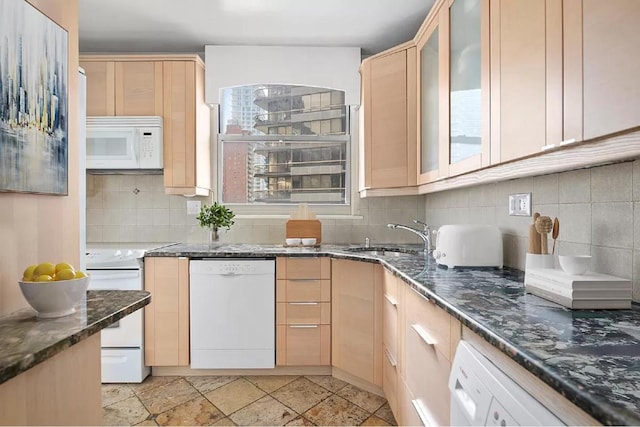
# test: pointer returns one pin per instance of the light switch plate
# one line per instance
(193, 207)
(520, 204)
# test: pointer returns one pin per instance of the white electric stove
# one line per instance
(120, 267)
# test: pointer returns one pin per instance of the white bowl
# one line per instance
(575, 264)
(54, 299)
(293, 241)
(308, 241)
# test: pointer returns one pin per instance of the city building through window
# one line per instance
(283, 144)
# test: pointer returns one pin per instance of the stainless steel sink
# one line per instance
(382, 250)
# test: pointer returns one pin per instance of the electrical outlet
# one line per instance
(193, 207)
(520, 204)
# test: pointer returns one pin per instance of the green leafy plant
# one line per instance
(215, 216)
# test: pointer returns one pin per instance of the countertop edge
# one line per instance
(13, 370)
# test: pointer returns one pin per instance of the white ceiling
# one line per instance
(186, 26)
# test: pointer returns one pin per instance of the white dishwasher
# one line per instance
(232, 313)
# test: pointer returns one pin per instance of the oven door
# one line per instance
(127, 332)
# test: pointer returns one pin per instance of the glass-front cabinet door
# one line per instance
(468, 85)
(433, 122)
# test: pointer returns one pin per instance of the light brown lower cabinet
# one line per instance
(356, 344)
(166, 318)
(303, 311)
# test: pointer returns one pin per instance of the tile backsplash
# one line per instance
(596, 208)
(134, 208)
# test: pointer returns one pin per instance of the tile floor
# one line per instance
(243, 401)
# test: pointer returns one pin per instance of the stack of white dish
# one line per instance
(584, 291)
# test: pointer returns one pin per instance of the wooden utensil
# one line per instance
(554, 233)
(544, 225)
(534, 236)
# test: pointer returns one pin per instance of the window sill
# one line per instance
(284, 216)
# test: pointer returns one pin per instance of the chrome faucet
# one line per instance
(424, 234)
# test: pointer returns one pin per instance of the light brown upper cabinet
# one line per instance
(122, 88)
(453, 74)
(601, 41)
(389, 98)
(187, 124)
(526, 77)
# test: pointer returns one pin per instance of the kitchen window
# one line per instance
(280, 145)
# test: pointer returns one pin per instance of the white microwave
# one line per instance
(124, 142)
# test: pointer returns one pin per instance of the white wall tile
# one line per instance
(161, 217)
(127, 200)
(111, 217)
(612, 183)
(636, 180)
(569, 248)
(613, 261)
(177, 217)
(575, 222)
(128, 217)
(144, 217)
(574, 186)
(612, 224)
(111, 199)
(94, 233)
(94, 217)
(636, 275)
(144, 200)
(160, 200)
(110, 233)
(545, 188)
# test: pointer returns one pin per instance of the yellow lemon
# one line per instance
(64, 266)
(46, 268)
(43, 278)
(28, 273)
(66, 274)
(80, 274)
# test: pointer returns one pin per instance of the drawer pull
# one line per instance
(422, 414)
(303, 326)
(391, 360)
(391, 300)
(303, 303)
(428, 339)
(304, 280)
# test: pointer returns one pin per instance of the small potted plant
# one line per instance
(214, 217)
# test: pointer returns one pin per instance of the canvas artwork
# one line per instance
(33, 101)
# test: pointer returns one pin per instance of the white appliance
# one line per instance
(82, 164)
(483, 395)
(469, 245)
(124, 143)
(232, 313)
(123, 342)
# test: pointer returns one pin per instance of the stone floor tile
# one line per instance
(301, 394)
(300, 421)
(127, 412)
(147, 423)
(150, 382)
(112, 393)
(385, 413)
(195, 412)
(374, 421)
(264, 412)
(206, 383)
(327, 381)
(235, 395)
(162, 398)
(271, 383)
(336, 411)
(368, 401)
(225, 422)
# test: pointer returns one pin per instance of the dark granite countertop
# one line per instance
(26, 341)
(592, 357)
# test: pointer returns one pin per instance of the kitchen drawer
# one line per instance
(427, 377)
(292, 313)
(390, 380)
(431, 319)
(303, 345)
(303, 290)
(303, 268)
(390, 325)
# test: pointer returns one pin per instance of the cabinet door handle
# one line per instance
(303, 303)
(424, 418)
(391, 300)
(391, 360)
(424, 335)
(303, 280)
(303, 326)
(422, 296)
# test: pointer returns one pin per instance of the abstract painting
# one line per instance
(33, 101)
